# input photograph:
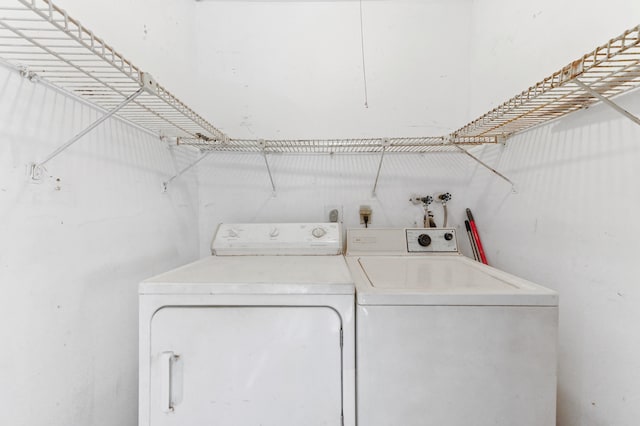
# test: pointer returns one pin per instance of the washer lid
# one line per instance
(441, 280)
(255, 275)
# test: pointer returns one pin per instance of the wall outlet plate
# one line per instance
(365, 211)
(333, 211)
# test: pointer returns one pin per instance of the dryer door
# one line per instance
(237, 366)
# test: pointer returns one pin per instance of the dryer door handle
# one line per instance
(167, 361)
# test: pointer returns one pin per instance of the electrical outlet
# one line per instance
(365, 212)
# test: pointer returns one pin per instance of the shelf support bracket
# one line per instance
(185, 170)
(488, 167)
(36, 169)
(607, 101)
(263, 145)
(385, 144)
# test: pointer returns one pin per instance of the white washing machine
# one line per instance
(260, 333)
(443, 340)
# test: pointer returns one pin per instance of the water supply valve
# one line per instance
(444, 198)
(417, 199)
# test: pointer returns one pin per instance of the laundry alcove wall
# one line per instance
(236, 188)
(570, 225)
(71, 258)
(72, 251)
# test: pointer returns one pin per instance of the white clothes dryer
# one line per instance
(260, 333)
(443, 340)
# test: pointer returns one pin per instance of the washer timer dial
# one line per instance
(424, 240)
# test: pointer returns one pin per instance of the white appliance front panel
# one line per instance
(278, 239)
(246, 366)
(456, 365)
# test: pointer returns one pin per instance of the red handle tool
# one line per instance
(476, 237)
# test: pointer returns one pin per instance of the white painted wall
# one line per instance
(573, 176)
(70, 259)
(572, 226)
(515, 44)
(293, 69)
(236, 188)
(156, 35)
(73, 252)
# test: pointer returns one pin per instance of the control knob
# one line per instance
(318, 232)
(424, 240)
(448, 236)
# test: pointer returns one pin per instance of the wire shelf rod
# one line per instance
(59, 49)
(488, 167)
(36, 169)
(615, 60)
(544, 115)
(184, 170)
(266, 163)
(63, 51)
(607, 101)
(375, 183)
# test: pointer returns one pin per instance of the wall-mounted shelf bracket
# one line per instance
(385, 144)
(488, 167)
(263, 146)
(607, 101)
(36, 169)
(202, 156)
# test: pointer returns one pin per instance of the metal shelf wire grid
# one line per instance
(47, 43)
(609, 70)
(372, 145)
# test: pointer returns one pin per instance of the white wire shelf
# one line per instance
(332, 146)
(609, 70)
(44, 41)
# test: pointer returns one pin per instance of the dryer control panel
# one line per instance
(431, 240)
(289, 239)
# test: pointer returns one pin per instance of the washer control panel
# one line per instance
(277, 239)
(431, 240)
